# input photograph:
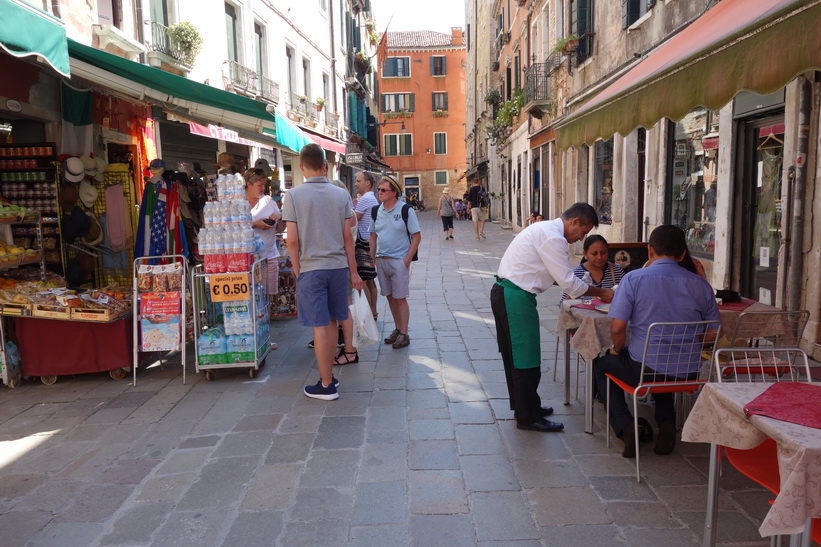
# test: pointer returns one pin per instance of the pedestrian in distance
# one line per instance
(478, 202)
(322, 254)
(447, 211)
(395, 238)
(534, 260)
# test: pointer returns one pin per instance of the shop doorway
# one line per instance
(761, 180)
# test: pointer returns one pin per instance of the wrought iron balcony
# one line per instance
(585, 49)
(537, 89)
(298, 103)
(160, 42)
(249, 82)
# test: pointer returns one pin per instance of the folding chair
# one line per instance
(669, 347)
(556, 361)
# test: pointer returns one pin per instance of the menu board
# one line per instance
(160, 321)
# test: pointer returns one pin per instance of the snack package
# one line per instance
(145, 278)
(160, 279)
(173, 273)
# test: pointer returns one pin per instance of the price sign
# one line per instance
(229, 287)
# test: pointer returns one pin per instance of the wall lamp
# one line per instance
(382, 124)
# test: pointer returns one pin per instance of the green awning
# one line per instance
(738, 45)
(289, 135)
(26, 31)
(202, 101)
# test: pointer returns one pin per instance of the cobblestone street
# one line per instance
(420, 449)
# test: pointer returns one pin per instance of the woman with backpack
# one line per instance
(446, 210)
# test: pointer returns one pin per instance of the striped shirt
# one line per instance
(607, 280)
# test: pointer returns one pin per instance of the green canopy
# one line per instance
(737, 45)
(290, 135)
(26, 31)
(170, 89)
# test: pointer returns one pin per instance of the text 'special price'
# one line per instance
(229, 287)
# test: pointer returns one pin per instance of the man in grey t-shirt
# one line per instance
(322, 252)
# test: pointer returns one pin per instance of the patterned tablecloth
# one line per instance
(718, 418)
(592, 336)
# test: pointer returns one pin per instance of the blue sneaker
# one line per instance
(319, 392)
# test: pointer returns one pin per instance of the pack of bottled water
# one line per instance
(227, 242)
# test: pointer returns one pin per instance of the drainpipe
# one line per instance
(333, 53)
(797, 230)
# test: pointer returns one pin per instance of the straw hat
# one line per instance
(88, 194)
(446, 190)
(74, 169)
(225, 160)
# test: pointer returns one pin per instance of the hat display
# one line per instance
(102, 166)
(94, 235)
(263, 164)
(74, 169)
(225, 160)
(156, 164)
(89, 165)
(446, 190)
(88, 194)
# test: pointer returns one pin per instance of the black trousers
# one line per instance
(522, 383)
(624, 368)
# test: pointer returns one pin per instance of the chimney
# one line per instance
(457, 38)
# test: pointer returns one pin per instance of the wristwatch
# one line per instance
(613, 347)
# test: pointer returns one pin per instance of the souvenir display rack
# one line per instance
(283, 303)
(220, 342)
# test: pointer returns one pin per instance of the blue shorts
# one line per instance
(322, 296)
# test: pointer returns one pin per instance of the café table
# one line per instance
(718, 418)
(592, 338)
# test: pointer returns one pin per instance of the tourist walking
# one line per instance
(447, 211)
(478, 203)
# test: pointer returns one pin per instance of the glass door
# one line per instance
(762, 208)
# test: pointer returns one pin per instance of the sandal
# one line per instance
(346, 354)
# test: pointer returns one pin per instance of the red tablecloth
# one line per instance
(56, 348)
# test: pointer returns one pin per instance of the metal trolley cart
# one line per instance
(231, 327)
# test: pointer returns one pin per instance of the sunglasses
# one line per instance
(384, 190)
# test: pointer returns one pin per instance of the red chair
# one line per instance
(669, 346)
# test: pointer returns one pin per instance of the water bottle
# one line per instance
(205, 250)
(589, 280)
(218, 251)
(221, 187)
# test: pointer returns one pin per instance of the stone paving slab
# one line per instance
(420, 449)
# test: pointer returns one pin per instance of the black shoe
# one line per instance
(628, 436)
(645, 431)
(547, 411)
(667, 438)
(545, 426)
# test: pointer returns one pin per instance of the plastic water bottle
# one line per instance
(589, 280)
(218, 251)
(221, 187)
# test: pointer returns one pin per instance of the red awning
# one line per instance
(736, 45)
(709, 143)
(326, 143)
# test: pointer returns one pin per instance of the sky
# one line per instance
(438, 15)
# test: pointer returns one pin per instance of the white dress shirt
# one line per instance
(537, 257)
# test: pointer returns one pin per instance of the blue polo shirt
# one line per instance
(664, 292)
(392, 239)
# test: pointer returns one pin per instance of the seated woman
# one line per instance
(532, 218)
(604, 274)
(693, 265)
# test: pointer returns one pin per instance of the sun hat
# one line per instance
(263, 164)
(446, 190)
(225, 160)
(74, 169)
(89, 165)
(102, 167)
(88, 194)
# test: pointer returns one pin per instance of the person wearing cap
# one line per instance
(322, 254)
(395, 238)
(446, 210)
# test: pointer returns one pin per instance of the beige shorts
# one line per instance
(478, 213)
(393, 276)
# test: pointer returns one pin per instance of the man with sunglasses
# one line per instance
(394, 240)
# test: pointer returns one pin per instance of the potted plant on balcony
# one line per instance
(320, 103)
(493, 97)
(363, 64)
(567, 45)
(494, 66)
(186, 41)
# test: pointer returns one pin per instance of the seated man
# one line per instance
(661, 292)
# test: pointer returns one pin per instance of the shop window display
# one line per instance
(693, 179)
(603, 180)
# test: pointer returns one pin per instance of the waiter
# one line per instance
(535, 259)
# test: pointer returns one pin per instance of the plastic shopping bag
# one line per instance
(365, 332)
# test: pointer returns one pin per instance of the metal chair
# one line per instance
(669, 347)
(556, 361)
(769, 328)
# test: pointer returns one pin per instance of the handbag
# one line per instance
(365, 266)
(365, 332)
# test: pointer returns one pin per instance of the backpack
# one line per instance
(405, 209)
(484, 201)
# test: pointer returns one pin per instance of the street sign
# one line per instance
(357, 158)
(229, 287)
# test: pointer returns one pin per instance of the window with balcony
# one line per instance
(440, 101)
(440, 178)
(159, 11)
(398, 144)
(289, 54)
(396, 67)
(259, 49)
(231, 32)
(437, 65)
(581, 24)
(440, 143)
(306, 77)
(397, 102)
(633, 10)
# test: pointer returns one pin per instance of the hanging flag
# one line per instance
(142, 245)
(77, 130)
